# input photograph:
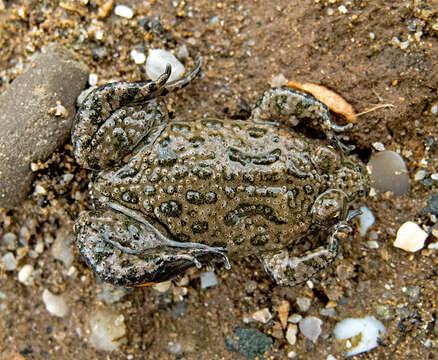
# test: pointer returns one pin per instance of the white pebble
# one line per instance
(262, 315)
(304, 303)
(366, 220)
(372, 244)
(9, 261)
(434, 176)
(278, 80)
(294, 318)
(55, 305)
(379, 146)
(157, 61)
(310, 327)
(25, 275)
(434, 109)
(331, 357)
(124, 11)
(369, 328)
(291, 334)
(92, 79)
(208, 279)
(342, 9)
(291, 354)
(410, 237)
(433, 246)
(162, 287)
(138, 56)
(107, 330)
(420, 175)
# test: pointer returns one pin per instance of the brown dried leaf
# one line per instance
(328, 97)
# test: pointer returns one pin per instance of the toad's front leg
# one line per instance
(115, 117)
(123, 247)
(328, 212)
(288, 106)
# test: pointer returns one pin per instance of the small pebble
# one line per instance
(174, 348)
(331, 357)
(25, 275)
(420, 175)
(138, 56)
(365, 331)
(208, 279)
(9, 261)
(410, 237)
(249, 342)
(62, 249)
(162, 287)
(107, 329)
(342, 9)
(291, 354)
(262, 315)
(55, 305)
(304, 303)
(10, 241)
(124, 11)
(92, 79)
(183, 52)
(291, 334)
(278, 80)
(434, 109)
(283, 312)
(384, 312)
(372, 244)
(310, 327)
(294, 318)
(366, 220)
(156, 65)
(379, 146)
(328, 312)
(388, 173)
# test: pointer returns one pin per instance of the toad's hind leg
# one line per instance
(124, 248)
(289, 106)
(115, 117)
(290, 271)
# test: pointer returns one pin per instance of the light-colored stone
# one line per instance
(25, 275)
(107, 329)
(410, 237)
(291, 334)
(55, 305)
(156, 65)
(310, 327)
(283, 312)
(262, 315)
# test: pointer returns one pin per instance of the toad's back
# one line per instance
(208, 181)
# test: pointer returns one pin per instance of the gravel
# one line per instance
(208, 279)
(28, 132)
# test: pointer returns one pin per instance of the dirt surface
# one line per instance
(378, 52)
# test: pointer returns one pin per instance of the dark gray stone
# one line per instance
(28, 133)
(249, 342)
(431, 207)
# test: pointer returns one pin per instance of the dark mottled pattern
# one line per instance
(249, 185)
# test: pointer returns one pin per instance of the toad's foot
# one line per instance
(288, 106)
(291, 271)
(124, 248)
(115, 117)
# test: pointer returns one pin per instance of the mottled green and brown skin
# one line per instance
(193, 191)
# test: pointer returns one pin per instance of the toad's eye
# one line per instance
(329, 207)
(325, 159)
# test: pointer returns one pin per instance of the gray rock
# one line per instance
(28, 132)
(249, 342)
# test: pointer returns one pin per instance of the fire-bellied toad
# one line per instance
(170, 195)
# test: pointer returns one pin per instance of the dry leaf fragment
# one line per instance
(328, 97)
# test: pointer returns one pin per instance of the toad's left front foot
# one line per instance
(290, 271)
